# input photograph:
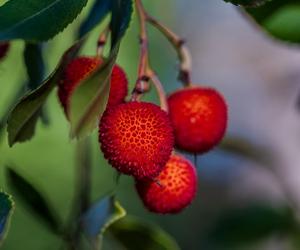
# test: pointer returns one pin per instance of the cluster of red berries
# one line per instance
(137, 138)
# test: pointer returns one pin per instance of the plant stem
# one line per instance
(142, 83)
(145, 72)
(160, 90)
(84, 174)
(82, 192)
(182, 50)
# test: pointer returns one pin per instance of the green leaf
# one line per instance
(35, 66)
(32, 198)
(246, 149)
(37, 20)
(251, 224)
(248, 3)
(281, 19)
(99, 10)
(121, 16)
(6, 209)
(89, 99)
(101, 216)
(23, 118)
(135, 234)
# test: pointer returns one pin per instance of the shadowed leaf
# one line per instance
(251, 224)
(23, 118)
(98, 12)
(281, 19)
(6, 209)
(135, 234)
(35, 66)
(101, 216)
(248, 3)
(37, 20)
(33, 199)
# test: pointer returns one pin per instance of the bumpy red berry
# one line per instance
(136, 138)
(82, 67)
(199, 118)
(173, 189)
(4, 47)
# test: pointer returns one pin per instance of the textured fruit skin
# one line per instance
(82, 67)
(199, 118)
(118, 87)
(4, 47)
(173, 189)
(136, 138)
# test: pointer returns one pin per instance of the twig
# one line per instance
(145, 72)
(180, 47)
(142, 83)
(160, 90)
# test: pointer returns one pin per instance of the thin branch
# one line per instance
(160, 90)
(182, 50)
(142, 83)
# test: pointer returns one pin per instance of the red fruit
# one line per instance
(4, 47)
(173, 189)
(82, 67)
(199, 118)
(118, 86)
(136, 138)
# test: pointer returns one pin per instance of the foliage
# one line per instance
(6, 209)
(280, 19)
(248, 3)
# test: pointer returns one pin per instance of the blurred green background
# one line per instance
(254, 178)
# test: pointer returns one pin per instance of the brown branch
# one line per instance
(180, 47)
(142, 83)
(160, 90)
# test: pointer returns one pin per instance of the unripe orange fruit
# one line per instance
(172, 190)
(136, 138)
(4, 47)
(81, 68)
(199, 118)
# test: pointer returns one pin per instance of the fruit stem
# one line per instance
(102, 40)
(182, 50)
(142, 83)
(145, 72)
(160, 90)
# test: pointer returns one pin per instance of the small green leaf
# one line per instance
(34, 62)
(23, 118)
(281, 19)
(99, 10)
(6, 209)
(33, 199)
(121, 17)
(135, 234)
(251, 224)
(37, 20)
(103, 214)
(248, 3)
(89, 99)
(35, 66)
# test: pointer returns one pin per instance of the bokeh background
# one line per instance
(251, 180)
